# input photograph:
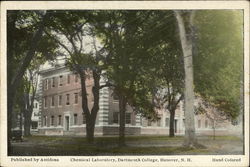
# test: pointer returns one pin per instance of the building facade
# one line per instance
(60, 110)
(35, 117)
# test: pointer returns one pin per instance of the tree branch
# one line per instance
(30, 54)
(59, 42)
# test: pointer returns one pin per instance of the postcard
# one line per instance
(124, 83)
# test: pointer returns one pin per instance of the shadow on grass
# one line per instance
(125, 150)
(136, 145)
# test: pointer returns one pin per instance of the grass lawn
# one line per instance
(135, 145)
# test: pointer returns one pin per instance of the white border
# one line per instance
(198, 160)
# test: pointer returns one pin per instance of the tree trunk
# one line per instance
(11, 28)
(90, 128)
(90, 125)
(95, 109)
(21, 122)
(29, 105)
(122, 110)
(10, 103)
(171, 127)
(85, 107)
(90, 116)
(214, 129)
(27, 123)
(214, 133)
(190, 138)
(14, 81)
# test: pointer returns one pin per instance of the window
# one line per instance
(76, 98)
(67, 99)
(59, 100)
(206, 124)
(46, 84)
(53, 82)
(149, 122)
(159, 122)
(44, 121)
(59, 120)
(36, 105)
(234, 122)
(52, 101)
(115, 117)
(183, 123)
(115, 97)
(75, 119)
(128, 118)
(45, 102)
(178, 107)
(34, 125)
(52, 121)
(60, 80)
(68, 79)
(199, 123)
(83, 119)
(167, 122)
(76, 78)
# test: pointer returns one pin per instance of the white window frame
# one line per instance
(67, 100)
(167, 125)
(60, 81)
(118, 120)
(44, 120)
(130, 120)
(53, 82)
(52, 121)
(68, 79)
(59, 104)
(52, 101)
(199, 124)
(76, 78)
(46, 87)
(45, 104)
(75, 119)
(59, 120)
(76, 95)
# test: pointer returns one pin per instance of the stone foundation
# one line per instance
(81, 131)
(129, 130)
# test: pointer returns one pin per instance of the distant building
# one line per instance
(18, 123)
(60, 111)
(35, 117)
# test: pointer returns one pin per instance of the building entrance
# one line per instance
(175, 126)
(67, 123)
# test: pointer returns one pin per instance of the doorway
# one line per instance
(67, 123)
(175, 126)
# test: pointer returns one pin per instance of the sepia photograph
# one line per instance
(140, 86)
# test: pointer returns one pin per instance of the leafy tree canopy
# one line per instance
(218, 65)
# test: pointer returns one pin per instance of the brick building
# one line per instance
(61, 108)
(61, 113)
